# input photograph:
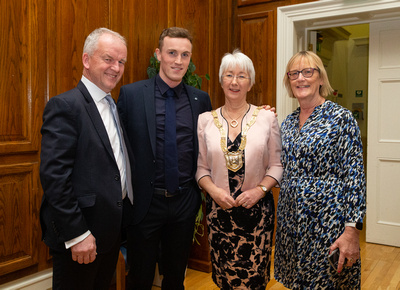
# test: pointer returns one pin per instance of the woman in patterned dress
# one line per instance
(322, 199)
(238, 164)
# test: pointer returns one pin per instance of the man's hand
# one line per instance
(85, 252)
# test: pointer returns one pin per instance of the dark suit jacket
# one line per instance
(78, 172)
(136, 105)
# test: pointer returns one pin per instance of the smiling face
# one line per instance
(174, 57)
(106, 66)
(305, 88)
(236, 87)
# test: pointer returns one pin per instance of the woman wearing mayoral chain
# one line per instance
(238, 164)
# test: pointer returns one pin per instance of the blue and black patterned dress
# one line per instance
(240, 239)
(323, 187)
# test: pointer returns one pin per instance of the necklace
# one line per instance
(234, 159)
(234, 123)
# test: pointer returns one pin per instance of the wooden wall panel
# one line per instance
(141, 22)
(256, 32)
(17, 104)
(69, 23)
(220, 41)
(195, 16)
(22, 91)
(17, 197)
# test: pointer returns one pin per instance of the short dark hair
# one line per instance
(174, 32)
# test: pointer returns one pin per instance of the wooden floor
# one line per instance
(380, 269)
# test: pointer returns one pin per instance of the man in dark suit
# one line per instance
(85, 170)
(163, 210)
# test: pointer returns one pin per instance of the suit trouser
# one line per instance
(68, 274)
(170, 220)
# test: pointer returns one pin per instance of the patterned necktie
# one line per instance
(125, 162)
(170, 147)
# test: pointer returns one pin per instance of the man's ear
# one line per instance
(85, 60)
(158, 53)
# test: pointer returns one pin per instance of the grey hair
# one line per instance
(93, 39)
(237, 59)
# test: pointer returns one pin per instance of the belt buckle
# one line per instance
(167, 194)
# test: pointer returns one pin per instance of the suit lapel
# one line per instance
(194, 104)
(150, 111)
(95, 117)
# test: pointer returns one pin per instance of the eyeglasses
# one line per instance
(230, 77)
(307, 73)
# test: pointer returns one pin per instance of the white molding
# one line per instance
(38, 281)
(361, 41)
(294, 21)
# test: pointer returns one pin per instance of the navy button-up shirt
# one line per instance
(184, 132)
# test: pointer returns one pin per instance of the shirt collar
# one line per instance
(164, 87)
(96, 93)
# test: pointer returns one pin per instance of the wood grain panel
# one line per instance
(16, 98)
(17, 198)
(141, 22)
(195, 16)
(250, 2)
(256, 36)
(69, 23)
(220, 41)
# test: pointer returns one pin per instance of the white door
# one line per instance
(383, 170)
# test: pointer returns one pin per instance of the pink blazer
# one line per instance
(262, 151)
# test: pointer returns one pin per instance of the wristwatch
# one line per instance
(358, 225)
(263, 188)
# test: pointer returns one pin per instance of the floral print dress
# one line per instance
(323, 187)
(240, 239)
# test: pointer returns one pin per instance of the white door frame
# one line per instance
(294, 21)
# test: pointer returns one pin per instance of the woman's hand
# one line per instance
(250, 197)
(219, 195)
(268, 108)
(222, 198)
(349, 247)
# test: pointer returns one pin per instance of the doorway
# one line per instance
(295, 22)
(344, 51)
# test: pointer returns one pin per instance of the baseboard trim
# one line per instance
(38, 281)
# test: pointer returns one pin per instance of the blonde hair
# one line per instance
(315, 61)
